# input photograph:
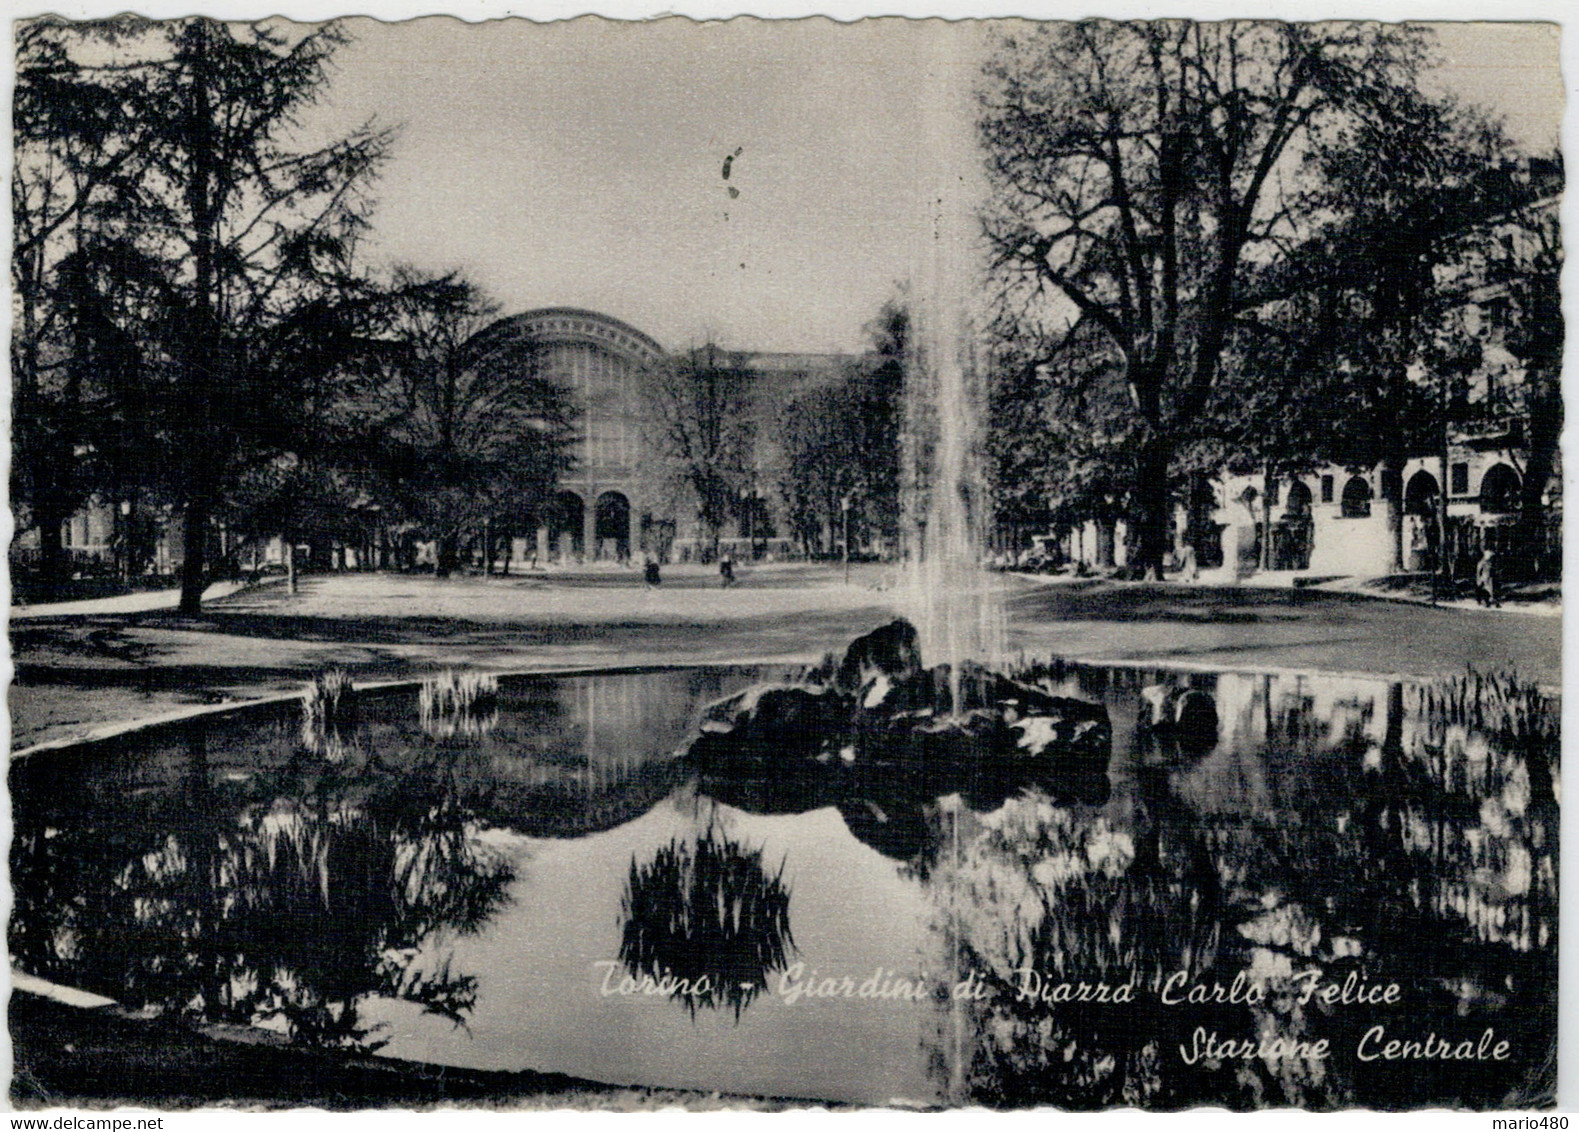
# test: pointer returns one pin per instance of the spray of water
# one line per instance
(955, 603)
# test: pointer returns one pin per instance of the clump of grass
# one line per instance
(329, 714)
(1497, 703)
(464, 703)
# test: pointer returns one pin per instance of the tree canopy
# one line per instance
(1145, 176)
(193, 237)
(461, 426)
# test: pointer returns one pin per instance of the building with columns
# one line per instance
(597, 511)
(614, 504)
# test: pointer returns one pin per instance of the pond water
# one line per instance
(492, 892)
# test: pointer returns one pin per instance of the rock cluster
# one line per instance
(1177, 724)
(876, 734)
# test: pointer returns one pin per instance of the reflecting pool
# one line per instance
(1349, 899)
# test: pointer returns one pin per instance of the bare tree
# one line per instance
(701, 406)
(1142, 173)
(468, 428)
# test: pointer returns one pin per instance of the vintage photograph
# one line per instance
(754, 564)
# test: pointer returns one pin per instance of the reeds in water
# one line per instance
(329, 714)
(1496, 703)
(459, 703)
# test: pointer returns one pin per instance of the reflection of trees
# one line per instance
(1059, 892)
(232, 872)
(709, 909)
(249, 902)
(1412, 840)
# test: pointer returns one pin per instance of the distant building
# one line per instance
(1341, 521)
(597, 512)
(615, 503)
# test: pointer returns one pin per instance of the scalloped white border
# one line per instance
(1564, 12)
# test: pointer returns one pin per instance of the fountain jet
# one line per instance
(954, 602)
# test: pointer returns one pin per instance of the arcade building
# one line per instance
(613, 506)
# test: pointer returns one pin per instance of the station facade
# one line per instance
(598, 511)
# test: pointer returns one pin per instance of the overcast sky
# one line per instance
(581, 163)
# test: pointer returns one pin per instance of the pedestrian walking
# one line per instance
(1486, 580)
(726, 571)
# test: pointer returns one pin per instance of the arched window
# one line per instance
(1356, 502)
(1499, 490)
(1420, 495)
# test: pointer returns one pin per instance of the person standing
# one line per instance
(1486, 580)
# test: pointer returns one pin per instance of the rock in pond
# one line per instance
(892, 651)
(1177, 722)
(879, 713)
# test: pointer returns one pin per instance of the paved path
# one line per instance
(121, 603)
(76, 673)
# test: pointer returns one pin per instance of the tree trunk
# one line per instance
(1392, 498)
(448, 552)
(203, 353)
(1151, 489)
(1444, 554)
(1267, 484)
(290, 566)
(51, 553)
(1543, 431)
(194, 525)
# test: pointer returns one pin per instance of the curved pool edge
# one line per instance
(105, 1054)
(110, 731)
(269, 699)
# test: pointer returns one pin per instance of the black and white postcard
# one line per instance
(754, 564)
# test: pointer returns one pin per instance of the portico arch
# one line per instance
(612, 526)
(1499, 490)
(1356, 500)
(1422, 534)
(1420, 495)
(1298, 500)
(566, 522)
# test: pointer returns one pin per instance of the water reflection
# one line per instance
(274, 900)
(1343, 831)
(890, 808)
(705, 918)
(230, 871)
(1338, 831)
